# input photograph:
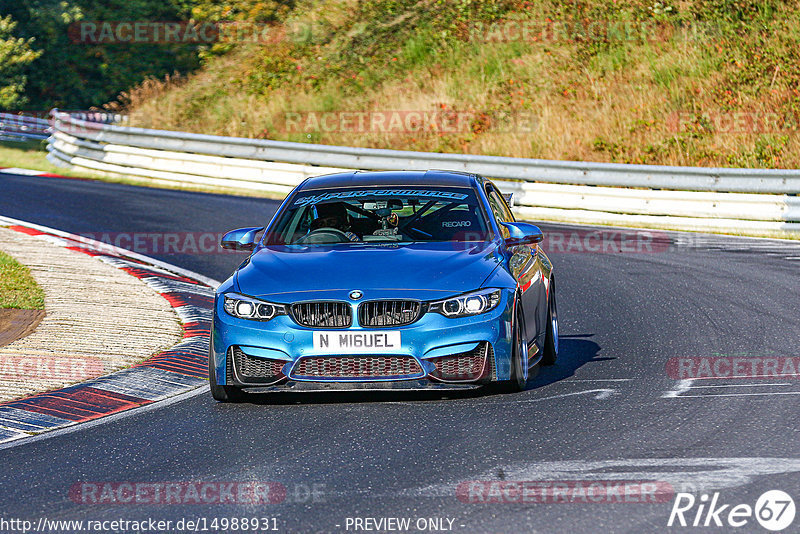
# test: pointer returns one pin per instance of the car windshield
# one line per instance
(380, 215)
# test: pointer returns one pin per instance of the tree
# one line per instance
(15, 54)
(76, 75)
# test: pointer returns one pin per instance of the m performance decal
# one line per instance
(427, 193)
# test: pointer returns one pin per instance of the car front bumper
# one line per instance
(283, 344)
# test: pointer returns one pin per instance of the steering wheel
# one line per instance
(322, 236)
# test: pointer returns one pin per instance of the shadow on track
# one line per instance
(574, 351)
(282, 398)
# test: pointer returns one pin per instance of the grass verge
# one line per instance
(25, 155)
(18, 289)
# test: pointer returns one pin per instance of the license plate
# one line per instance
(357, 342)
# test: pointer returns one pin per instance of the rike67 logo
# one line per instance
(774, 510)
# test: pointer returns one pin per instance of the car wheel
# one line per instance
(222, 393)
(519, 359)
(550, 353)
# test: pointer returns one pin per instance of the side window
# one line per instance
(499, 206)
(500, 210)
(298, 226)
(497, 210)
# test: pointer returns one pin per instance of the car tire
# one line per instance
(519, 359)
(550, 352)
(222, 393)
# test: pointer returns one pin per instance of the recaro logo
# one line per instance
(774, 510)
(456, 224)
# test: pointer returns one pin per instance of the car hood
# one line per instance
(426, 267)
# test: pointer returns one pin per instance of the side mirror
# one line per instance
(241, 239)
(522, 234)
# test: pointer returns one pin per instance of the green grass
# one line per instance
(30, 155)
(18, 289)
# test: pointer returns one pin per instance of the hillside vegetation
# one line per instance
(691, 82)
(50, 55)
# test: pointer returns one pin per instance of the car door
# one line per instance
(525, 265)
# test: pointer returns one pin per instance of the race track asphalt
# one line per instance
(608, 411)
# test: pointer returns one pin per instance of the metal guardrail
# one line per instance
(14, 127)
(20, 127)
(742, 200)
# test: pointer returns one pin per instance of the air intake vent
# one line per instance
(466, 366)
(255, 371)
(356, 367)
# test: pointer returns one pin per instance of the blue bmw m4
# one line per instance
(385, 279)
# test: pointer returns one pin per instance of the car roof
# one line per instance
(389, 178)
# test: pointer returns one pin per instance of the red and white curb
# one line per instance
(177, 370)
(28, 172)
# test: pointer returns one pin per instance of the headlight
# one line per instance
(250, 308)
(473, 303)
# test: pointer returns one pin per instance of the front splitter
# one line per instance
(400, 385)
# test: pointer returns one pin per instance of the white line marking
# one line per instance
(599, 380)
(601, 394)
(738, 394)
(737, 386)
(789, 375)
(24, 172)
(682, 387)
(16, 434)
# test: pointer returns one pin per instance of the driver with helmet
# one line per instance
(333, 215)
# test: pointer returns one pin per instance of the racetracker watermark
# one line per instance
(606, 241)
(187, 32)
(589, 30)
(689, 367)
(557, 241)
(734, 122)
(194, 492)
(156, 242)
(405, 122)
(564, 492)
(50, 368)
